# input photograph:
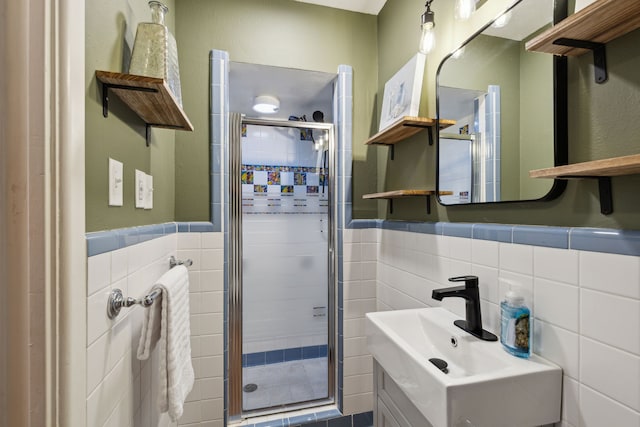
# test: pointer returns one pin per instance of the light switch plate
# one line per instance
(141, 188)
(115, 182)
(148, 200)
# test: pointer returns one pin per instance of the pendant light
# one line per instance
(427, 24)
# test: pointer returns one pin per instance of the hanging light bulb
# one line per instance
(464, 9)
(427, 24)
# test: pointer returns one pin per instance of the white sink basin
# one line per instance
(484, 387)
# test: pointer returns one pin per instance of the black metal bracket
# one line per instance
(428, 205)
(392, 151)
(604, 192)
(430, 133)
(599, 55)
(606, 199)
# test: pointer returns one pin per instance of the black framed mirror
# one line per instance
(510, 108)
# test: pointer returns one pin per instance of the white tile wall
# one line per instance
(586, 309)
(120, 389)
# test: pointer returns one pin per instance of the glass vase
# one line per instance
(155, 52)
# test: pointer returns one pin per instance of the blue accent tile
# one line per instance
(127, 237)
(272, 423)
(310, 352)
(255, 359)
(200, 227)
(325, 415)
(183, 227)
(494, 232)
(423, 227)
(170, 228)
(622, 242)
(216, 217)
(292, 354)
(101, 242)
(323, 350)
(316, 424)
(396, 225)
(455, 229)
(364, 419)
(361, 224)
(274, 356)
(302, 419)
(340, 422)
(551, 237)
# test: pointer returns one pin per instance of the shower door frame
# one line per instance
(235, 411)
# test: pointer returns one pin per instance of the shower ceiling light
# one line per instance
(502, 20)
(427, 23)
(266, 104)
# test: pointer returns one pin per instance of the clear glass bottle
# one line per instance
(515, 330)
(155, 53)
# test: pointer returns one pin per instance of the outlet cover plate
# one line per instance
(115, 182)
(141, 189)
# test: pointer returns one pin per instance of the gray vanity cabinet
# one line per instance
(392, 408)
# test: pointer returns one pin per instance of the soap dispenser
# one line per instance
(515, 332)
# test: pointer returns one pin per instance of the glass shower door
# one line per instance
(285, 266)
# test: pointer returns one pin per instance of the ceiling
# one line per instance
(372, 7)
(300, 92)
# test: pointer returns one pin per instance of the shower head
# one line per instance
(318, 116)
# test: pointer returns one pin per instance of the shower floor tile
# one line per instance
(285, 383)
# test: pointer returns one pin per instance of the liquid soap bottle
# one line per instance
(515, 331)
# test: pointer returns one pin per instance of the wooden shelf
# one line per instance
(404, 128)
(150, 98)
(600, 22)
(617, 166)
(397, 194)
(602, 170)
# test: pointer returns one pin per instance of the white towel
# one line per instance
(167, 322)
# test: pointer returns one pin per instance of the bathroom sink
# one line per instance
(484, 385)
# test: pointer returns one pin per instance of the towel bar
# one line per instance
(117, 300)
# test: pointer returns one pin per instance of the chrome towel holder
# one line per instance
(117, 300)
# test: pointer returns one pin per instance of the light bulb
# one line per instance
(464, 9)
(502, 20)
(427, 39)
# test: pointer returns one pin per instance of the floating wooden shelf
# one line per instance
(404, 128)
(600, 22)
(397, 194)
(588, 30)
(626, 165)
(602, 170)
(150, 98)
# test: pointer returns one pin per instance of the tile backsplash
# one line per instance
(585, 305)
(120, 389)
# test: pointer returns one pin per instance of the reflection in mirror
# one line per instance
(502, 99)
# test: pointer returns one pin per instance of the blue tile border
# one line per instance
(605, 240)
(284, 355)
(100, 242)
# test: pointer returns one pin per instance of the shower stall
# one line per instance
(282, 268)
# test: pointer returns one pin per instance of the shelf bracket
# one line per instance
(105, 94)
(599, 55)
(430, 133)
(390, 204)
(147, 133)
(428, 205)
(392, 151)
(606, 199)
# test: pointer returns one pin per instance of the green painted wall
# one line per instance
(121, 135)
(279, 33)
(602, 123)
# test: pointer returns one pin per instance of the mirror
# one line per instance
(509, 119)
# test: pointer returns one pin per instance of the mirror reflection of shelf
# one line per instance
(404, 128)
(398, 194)
(588, 30)
(602, 170)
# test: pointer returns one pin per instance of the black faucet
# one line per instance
(471, 295)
